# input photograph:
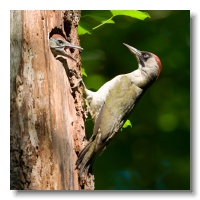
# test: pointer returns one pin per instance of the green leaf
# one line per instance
(99, 15)
(126, 124)
(109, 21)
(83, 72)
(91, 20)
(94, 20)
(131, 13)
(84, 27)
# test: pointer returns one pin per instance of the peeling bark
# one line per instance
(47, 115)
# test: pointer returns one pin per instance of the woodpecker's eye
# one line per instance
(60, 41)
(146, 55)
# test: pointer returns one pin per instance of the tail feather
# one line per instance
(88, 155)
(86, 158)
(82, 154)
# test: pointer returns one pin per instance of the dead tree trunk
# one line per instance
(47, 117)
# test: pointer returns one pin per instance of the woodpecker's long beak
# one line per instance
(136, 52)
(133, 50)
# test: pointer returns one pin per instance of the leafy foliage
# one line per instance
(91, 20)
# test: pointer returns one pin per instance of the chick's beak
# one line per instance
(68, 45)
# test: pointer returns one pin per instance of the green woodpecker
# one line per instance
(59, 46)
(112, 103)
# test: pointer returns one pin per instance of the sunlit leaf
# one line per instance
(131, 13)
(91, 20)
(84, 27)
(126, 124)
(83, 72)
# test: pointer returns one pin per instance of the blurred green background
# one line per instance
(155, 153)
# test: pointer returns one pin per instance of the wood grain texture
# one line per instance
(47, 125)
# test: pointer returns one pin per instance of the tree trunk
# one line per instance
(47, 118)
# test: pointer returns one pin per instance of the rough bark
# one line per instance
(47, 116)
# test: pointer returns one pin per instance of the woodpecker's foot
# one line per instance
(76, 85)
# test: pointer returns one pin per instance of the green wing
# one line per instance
(119, 103)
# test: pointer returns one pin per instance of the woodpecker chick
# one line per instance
(59, 46)
(111, 105)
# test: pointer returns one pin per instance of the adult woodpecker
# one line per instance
(112, 103)
(59, 46)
